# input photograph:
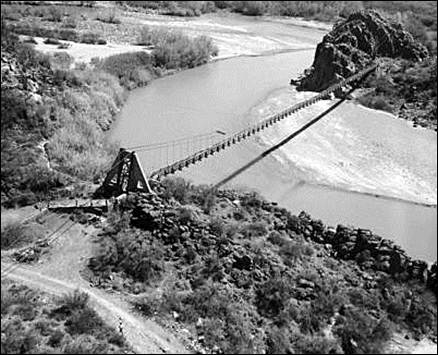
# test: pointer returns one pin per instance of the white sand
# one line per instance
(82, 52)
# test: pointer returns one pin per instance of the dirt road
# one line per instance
(58, 273)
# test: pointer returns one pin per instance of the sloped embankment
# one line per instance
(243, 274)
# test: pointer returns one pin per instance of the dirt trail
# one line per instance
(58, 273)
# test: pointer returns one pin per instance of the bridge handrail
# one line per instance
(246, 132)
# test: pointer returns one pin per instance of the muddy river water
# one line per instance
(356, 166)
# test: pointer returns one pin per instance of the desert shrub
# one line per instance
(363, 299)
(85, 344)
(421, 317)
(89, 38)
(12, 295)
(251, 8)
(217, 226)
(252, 200)
(293, 251)
(278, 341)
(256, 229)
(11, 13)
(379, 102)
(83, 321)
(315, 344)
(12, 235)
(272, 296)
(326, 303)
(135, 253)
(54, 14)
(26, 328)
(15, 234)
(16, 339)
(362, 334)
(176, 188)
(177, 8)
(70, 22)
(69, 304)
(294, 224)
(44, 326)
(187, 214)
(61, 60)
(56, 338)
(26, 312)
(174, 50)
(108, 17)
(78, 147)
(147, 303)
(276, 238)
(67, 34)
(117, 221)
(132, 69)
(203, 197)
(226, 322)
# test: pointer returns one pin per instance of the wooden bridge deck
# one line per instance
(245, 133)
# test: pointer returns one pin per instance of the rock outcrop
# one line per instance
(370, 251)
(354, 44)
(193, 238)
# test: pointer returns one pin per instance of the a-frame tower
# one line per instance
(126, 174)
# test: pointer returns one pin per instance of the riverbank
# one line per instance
(247, 249)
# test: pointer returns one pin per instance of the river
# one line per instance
(357, 166)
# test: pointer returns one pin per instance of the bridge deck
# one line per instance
(245, 133)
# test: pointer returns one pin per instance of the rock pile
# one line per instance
(370, 251)
(191, 236)
(353, 45)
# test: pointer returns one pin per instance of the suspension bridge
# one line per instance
(126, 173)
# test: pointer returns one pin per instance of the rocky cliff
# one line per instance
(353, 44)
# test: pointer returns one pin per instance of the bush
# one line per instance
(83, 321)
(108, 17)
(304, 344)
(15, 235)
(85, 344)
(16, 339)
(187, 214)
(272, 296)
(174, 50)
(362, 334)
(135, 253)
(54, 14)
(26, 329)
(278, 341)
(132, 69)
(256, 229)
(217, 226)
(293, 251)
(252, 200)
(70, 22)
(89, 38)
(176, 188)
(379, 102)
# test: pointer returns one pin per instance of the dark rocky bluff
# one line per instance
(354, 44)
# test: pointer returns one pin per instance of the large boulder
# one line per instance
(353, 45)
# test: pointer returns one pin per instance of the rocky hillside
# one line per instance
(405, 83)
(354, 44)
(232, 272)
